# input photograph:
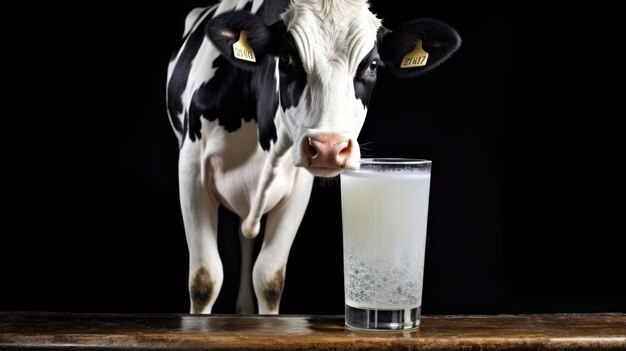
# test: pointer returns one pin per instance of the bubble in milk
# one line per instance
(377, 286)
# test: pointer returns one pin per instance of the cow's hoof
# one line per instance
(250, 229)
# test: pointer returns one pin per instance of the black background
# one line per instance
(92, 221)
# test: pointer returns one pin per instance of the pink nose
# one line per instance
(327, 151)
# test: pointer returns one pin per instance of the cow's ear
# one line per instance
(241, 37)
(417, 47)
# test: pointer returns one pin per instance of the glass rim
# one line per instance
(393, 161)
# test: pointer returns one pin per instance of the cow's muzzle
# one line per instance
(327, 151)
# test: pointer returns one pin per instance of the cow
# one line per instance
(263, 96)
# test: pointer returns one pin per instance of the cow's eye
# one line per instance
(286, 59)
(373, 65)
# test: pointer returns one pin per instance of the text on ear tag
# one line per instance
(241, 48)
(416, 58)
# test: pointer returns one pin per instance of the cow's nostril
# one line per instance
(346, 150)
(310, 149)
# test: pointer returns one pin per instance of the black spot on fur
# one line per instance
(274, 289)
(365, 78)
(239, 90)
(270, 10)
(233, 95)
(293, 79)
(201, 289)
(180, 75)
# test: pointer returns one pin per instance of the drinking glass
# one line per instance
(384, 215)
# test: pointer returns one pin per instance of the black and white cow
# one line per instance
(263, 96)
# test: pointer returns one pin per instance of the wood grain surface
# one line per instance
(30, 331)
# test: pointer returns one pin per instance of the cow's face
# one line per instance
(327, 70)
(329, 54)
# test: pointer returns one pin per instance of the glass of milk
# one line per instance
(384, 213)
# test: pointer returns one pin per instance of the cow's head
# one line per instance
(329, 54)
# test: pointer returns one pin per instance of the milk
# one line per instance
(384, 236)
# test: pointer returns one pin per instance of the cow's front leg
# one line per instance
(200, 218)
(281, 228)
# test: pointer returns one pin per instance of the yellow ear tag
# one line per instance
(241, 48)
(416, 58)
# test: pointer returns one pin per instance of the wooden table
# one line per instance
(38, 331)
